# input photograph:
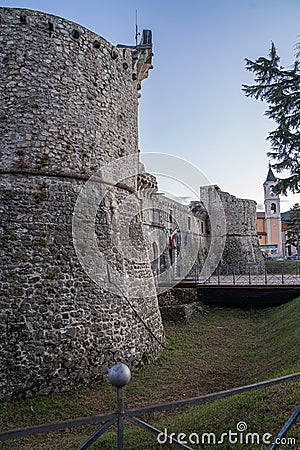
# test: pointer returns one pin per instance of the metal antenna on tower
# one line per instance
(137, 33)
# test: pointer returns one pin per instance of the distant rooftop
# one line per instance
(285, 216)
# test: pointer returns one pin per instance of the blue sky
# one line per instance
(192, 105)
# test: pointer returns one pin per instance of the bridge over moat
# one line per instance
(249, 290)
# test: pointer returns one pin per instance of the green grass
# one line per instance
(290, 267)
(225, 349)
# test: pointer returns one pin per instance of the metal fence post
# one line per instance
(120, 412)
(196, 273)
(119, 375)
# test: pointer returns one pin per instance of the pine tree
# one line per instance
(293, 227)
(280, 89)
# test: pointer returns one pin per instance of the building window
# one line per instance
(189, 223)
(151, 215)
(271, 190)
(273, 208)
(171, 216)
(154, 216)
(202, 227)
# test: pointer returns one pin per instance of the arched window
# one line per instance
(155, 263)
(273, 208)
(272, 193)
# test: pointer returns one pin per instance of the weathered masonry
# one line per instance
(68, 106)
(68, 111)
(242, 246)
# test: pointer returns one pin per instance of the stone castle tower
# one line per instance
(68, 106)
(68, 113)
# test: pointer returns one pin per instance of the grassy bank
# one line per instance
(286, 266)
(225, 349)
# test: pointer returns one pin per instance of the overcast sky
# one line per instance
(192, 105)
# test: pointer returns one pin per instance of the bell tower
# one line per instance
(272, 212)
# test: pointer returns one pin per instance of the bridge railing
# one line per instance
(120, 377)
(271, 273)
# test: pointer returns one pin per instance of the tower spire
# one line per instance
(270, 176)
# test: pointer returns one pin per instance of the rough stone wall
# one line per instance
(242, 250)
(192, 244)
(161, 216)
(68, 105)
(68, 101)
